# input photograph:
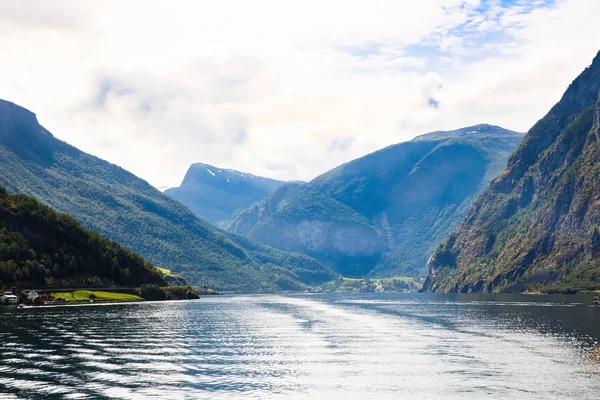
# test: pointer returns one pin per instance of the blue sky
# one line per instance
(283, 89)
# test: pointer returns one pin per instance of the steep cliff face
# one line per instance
(536, 226)
(383, 214)
(299, 219)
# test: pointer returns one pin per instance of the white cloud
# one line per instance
(273, 87)
(429, 87)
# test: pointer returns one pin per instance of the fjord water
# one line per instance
(307, 347)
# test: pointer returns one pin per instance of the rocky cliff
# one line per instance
(536, 227)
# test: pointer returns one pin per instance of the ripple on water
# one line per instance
(326, 346)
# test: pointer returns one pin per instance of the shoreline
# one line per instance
(52, 297)
(89, 304)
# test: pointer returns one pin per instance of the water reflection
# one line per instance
(324, 346)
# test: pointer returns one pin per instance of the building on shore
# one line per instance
(9, 298)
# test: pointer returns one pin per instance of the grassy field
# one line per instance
(172, 278)
(86, 295)
(168, 272)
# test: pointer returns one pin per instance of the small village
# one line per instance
(32, 297)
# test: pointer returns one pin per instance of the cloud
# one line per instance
(108, 87)
(42, 15)
(341, 144)
(429, 86)
(267, 86)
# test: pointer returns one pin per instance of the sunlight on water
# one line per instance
(305, 347)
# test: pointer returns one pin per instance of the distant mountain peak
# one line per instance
(199, 171)
(479, 130)
(21, 132)
(14, 110)
(15, 119)
(215, 194)
(484, 128)
(481, 127)
(383, 213)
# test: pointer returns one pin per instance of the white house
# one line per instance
(9, 298)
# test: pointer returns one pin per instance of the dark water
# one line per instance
(338, 346)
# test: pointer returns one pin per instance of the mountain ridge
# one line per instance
(108, 199)
(365, 217)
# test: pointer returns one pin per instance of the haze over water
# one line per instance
(331, 346)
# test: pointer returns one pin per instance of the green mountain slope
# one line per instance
(124, 208)
(215, 194)
(383, 214)
(536, 226)
(39, 246)
(298, 219)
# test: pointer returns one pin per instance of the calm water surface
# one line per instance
(336, 346)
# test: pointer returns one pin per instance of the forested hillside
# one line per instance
(39, 246)
(126, 209)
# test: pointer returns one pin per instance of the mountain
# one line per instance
(126, 209)
(39, 246)
(536, 227)
(215, 194)
(383, 214)
(299, 219)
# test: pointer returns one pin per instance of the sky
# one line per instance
(283, 89)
